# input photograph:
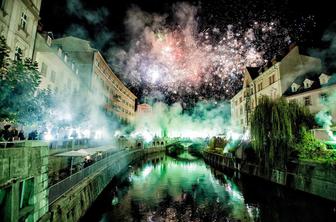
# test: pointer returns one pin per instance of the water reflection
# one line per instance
(185, 189)
(180, 190)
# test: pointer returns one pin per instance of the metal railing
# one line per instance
(15, 143)
(60, 188)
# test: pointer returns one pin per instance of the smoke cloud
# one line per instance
(207, 119)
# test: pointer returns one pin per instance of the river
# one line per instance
(163, 188)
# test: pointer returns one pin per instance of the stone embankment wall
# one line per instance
(313, 178)
(24, 182)
(73, 205)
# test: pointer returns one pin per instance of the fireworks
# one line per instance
(183, 62)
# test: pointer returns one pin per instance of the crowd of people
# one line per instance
(10, 133)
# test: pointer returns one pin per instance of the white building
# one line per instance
(317, 91)
(268, 81)
(59, 73)
(97, 75)
(18, 24)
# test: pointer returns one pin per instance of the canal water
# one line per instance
(163, 188)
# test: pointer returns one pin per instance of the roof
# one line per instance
(314, 76)
(71, 43)
(253, 71)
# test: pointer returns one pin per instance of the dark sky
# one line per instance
(305, 20)
(55, 16)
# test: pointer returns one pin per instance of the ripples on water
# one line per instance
(182, 189)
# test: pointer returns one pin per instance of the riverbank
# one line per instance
(164, 188)
(73, 205)
(313, 178)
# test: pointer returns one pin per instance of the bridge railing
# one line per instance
(60, 188)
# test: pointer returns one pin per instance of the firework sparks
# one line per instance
(178, 59)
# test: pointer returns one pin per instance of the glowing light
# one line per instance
(147, 171)
(154, 74)
(48, 136)
(98, 135)
(86, 133)
(233, 135)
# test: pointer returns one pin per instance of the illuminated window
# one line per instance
(23, 21)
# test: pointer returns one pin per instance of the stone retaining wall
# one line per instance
(313, 178)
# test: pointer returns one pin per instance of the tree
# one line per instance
(275, 126)
(18, 86)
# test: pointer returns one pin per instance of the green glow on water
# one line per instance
(151, 184)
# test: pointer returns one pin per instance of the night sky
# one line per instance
(304, 21)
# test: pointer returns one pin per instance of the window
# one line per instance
(294, 88)
(26, 189)
(324, 97)
(271, 79)
(23, 21)
(2, 4)
(307, 101)
(52, 76)
(59, 52)
(260, 86)
(18, 53)
(240, 99)
(44, 69)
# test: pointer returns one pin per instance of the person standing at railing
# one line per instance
(21, 135)
(5, 134)
(14, 133)
(33, 135)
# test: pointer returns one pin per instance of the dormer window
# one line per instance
(324, 79)
(307, 83)
(295, 87)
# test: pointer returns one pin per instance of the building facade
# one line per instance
(316, 91)
(144, 108)
(59, 74)
(97, 75)
(271, 81)
(18, 24)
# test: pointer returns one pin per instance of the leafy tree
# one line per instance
(310, 148)
(275, 126)
(18, 86)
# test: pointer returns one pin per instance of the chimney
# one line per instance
(274, 60)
